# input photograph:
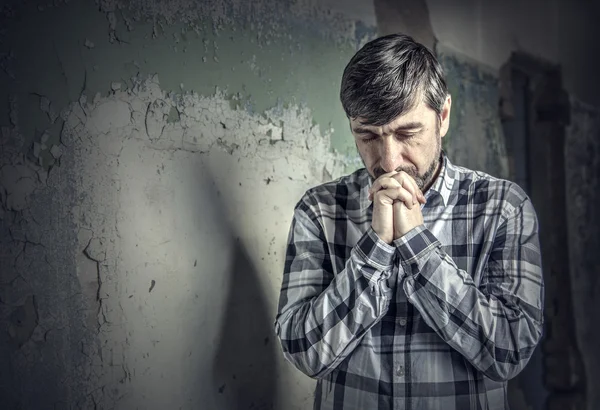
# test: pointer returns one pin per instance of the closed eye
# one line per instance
(406, 136)
(366, 138)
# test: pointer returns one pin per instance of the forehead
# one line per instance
(419, 113)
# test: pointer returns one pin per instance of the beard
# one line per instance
(423, 180)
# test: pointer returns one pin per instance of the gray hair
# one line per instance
(386, 78)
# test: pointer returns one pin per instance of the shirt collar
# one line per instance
(442, 185)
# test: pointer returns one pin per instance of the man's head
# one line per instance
(395, 96)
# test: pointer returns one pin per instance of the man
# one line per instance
(412, 283)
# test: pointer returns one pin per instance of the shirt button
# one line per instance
(400, 371)
(403, 322)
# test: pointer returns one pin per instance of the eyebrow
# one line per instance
(404, 127)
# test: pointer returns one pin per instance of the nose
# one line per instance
(390, 154)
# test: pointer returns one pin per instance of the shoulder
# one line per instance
(341, 193)
(477, 187)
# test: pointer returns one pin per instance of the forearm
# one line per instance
(494, 326)
(317, 330)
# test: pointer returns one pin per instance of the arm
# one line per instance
(497, 324)
(322, 317)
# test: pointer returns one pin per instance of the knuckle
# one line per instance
(379, 195)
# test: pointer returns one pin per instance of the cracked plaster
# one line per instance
(258, 165)
(140, 174)
(106, 195)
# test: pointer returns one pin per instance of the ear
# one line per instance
(445, 116)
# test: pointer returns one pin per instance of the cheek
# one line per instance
(368, 152)
(423, 152)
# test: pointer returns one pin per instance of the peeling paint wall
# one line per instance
(192, 209)
(151, 157)
(475, 137)
(151, 154)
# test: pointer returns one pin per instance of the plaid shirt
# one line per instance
(440, 319)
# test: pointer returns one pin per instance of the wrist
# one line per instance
(385, 235)
(399, 233)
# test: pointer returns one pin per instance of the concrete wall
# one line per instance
(151, 154)
(582, 157)
(560, 31)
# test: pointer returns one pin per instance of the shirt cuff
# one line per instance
(376, 252)
(415, 244)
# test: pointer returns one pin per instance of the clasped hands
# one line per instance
(396, 205)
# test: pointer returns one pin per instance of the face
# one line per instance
(411, 143)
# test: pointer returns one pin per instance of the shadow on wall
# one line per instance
(244, 367)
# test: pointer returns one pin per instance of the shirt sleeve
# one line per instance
(496, 325)
(321, 316)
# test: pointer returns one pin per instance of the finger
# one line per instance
(383, 176)
(383, 182)
(394, 194)
(393, 181)
(409, 183)
(420, 195)
(406, 181)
